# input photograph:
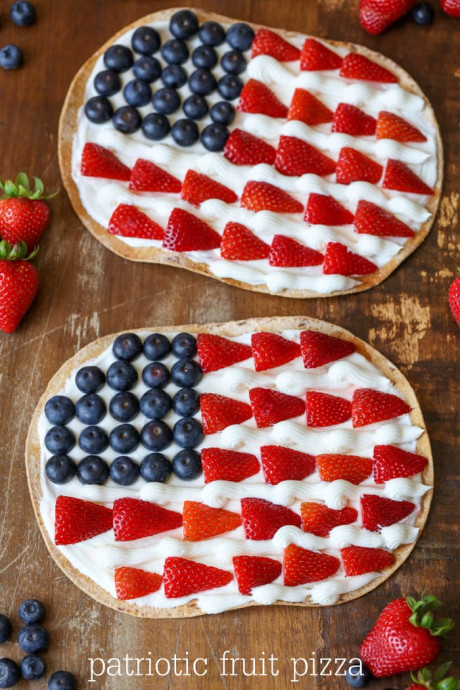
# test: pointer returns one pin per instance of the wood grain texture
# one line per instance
(87, 292)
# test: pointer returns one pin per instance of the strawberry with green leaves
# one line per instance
(437, 680)
(19, 282)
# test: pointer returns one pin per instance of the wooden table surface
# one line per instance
(86, 292)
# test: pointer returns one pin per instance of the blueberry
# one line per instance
(127, 346)
(121, 376)
(124, 438)
(59, 409)
(155, 375)
(92, 470)
(187, 464)
(98, 110)
(202, 81)
(229, 86)
(124, 406)
(33, 638)
(214, 136)
(155, 403)
(118, 58)
(62, 680)
(10, 57)
(155, 468)
(188, 432)
(183, 24)
(155, 126)
(184, 345)
(156, 346)
(147, 68)
(166, 101)
(186, 402)
(212, 34)
(358, 676)
(127, 119)
(186, 373)
(93, 440)
(124, 471)
(185, 132)
(31, 611)
(240, 36)
(33, 667)
(156, 435)
(137, 92)
(223, 112)
(60, 469)
(204, 56)
(10, 673)
(59, 440)
(146, 40)
(195, 107)
(233, 62)
(423, 13)
(174, 51)
(174, 76)
(22, 13)
(107, 82)
(91, 409)
(5, 628)
(89, 379)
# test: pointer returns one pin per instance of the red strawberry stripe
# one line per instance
(288, 253)
(302, 566)
(202, 521)
(295, 157)
(242, 148)
(240, 244)
(354, 166)
(270, 407)
(268, 42)
(186, 232)
(325, 210)
(256, 97)
(315, 56)
(358, 560)
(341, 260)
(219, 412)
(216, 352)
(378, 512)
(352, 468)
(351, 120)
(400, 177)
(280, 464)
(148, 177)
(356, 66)
(133, 583)
(373, 220)
(77, 520)
(318, 519)
(320, 348)
(271, 350)
(324, 409)
(229, 465)
(391, 462)
(128, 221)
(391, 126)
(254, 571)
(134, 519)
(183, 577)
(197, 188)
(306, 108)
(369, 406)
(258, 196)
(97, 161)
(262, 519)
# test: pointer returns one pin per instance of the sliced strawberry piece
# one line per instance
(351, 468)
(371, 219)
(240, 244)
(320, 348)
(325, 210)
(378, 512)
(259, 196)
(97, 161)
(133, 583)
(280, 464)
(128, 221)
(324, 409)
(255, 571)
(295, 157)
(262, 519)
(391, 462)
(216, 352)
(341, 260)
(306, 108)
(400, 177)
(229, 465)
(351, 120)
(218, 412)
(186, 233)
(451, 7)
(242, 148)
(197, 188)
(391, 126)
(202, 521)
(134, 519)
(318, 519)
(287, 253)
(148, 177)
(356, 66)
(267, 42)
(77, 520)
(301, 566)
(271, 350)
(183, 577)
(358, 560)
(315, 56)
(270, 407)
(353, 166)
(256, 97)
(369, 406)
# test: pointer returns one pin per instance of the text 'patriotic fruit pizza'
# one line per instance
(271, 160)
(206, 468)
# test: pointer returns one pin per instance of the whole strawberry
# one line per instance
(405, 637)
(377, 15)
(18, 284)
(454, 299)
(451, 7)
(437, 681)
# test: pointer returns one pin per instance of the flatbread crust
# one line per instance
(68, 128)
(229, 329)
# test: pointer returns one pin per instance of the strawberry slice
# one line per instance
(320, 348)
(353, 166)
(219, 412)
(148, 177)
(267, 42)
(242, 148)
(270, 407)
(202, 521)
(77, 520)
(391, 462)
(97, 161)
(271, 350)
(229, 465)
(183, 577)
(280, 464)
(259, 196)
(315, 56)
(391, 126)
(128, 221)
(305, 107)
(287, 253)
(325, 210)
(451, 7)
(371, 219)
(351, 120)
(377, 15)
(302, 566)
(324, 409)
(197, 187)
(295, 157)
(262, 519)
(358, 560)
(256, 97)
(318, 519)
(341, 260)
(356, 66)
(369, 406)
(216, 352)
(351, 468)
(378, 512)
(186, 233)
(255, 571)
(134, 519)
(400, 177)
(133, 583)
(240, 244)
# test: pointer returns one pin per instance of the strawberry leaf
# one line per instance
(442, 670)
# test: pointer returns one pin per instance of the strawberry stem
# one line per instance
(21, 188)
(422, 615)
(16, 251)
(440, 681)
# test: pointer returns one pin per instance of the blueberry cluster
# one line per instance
(156, 435)
(22, 13)
(157, 80)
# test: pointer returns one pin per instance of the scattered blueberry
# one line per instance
(155, 375)
(127, 346)
(186, 373)
(214, 136)
(137, 92)
(233, 62)
(33, 638)
(59, 440)
(184, 345)
(188, 432)
(202, 81)
(124, 471)
(89, 379)
(212, 34)
(146, 40)
(204, 56)
(107, 82)
(31, 611)
(147, 68)
(222, 112)
(10, 673)
(423, 13)
(121, 376)
(174, 76)
(10, 57)
(156, 346)
(358, 676)
(155, 126)
(33, 667)
(92, 470)
(5, 628)
(127, 119)
(183, 24)
(156, 435)
(229, 86)
(185, 132)
(155, 468)
(62, 680)
(174, 51)
(23, 13)
(124, 406)
(187, 464)
(60, 469)
(195, 107)
(98, 110)
(240, 36)
(90, 409)
(155, 403)
(93, 440)
(186, 402)
(118, 58)
(124, 438)
(59, 409)
(166, 101)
